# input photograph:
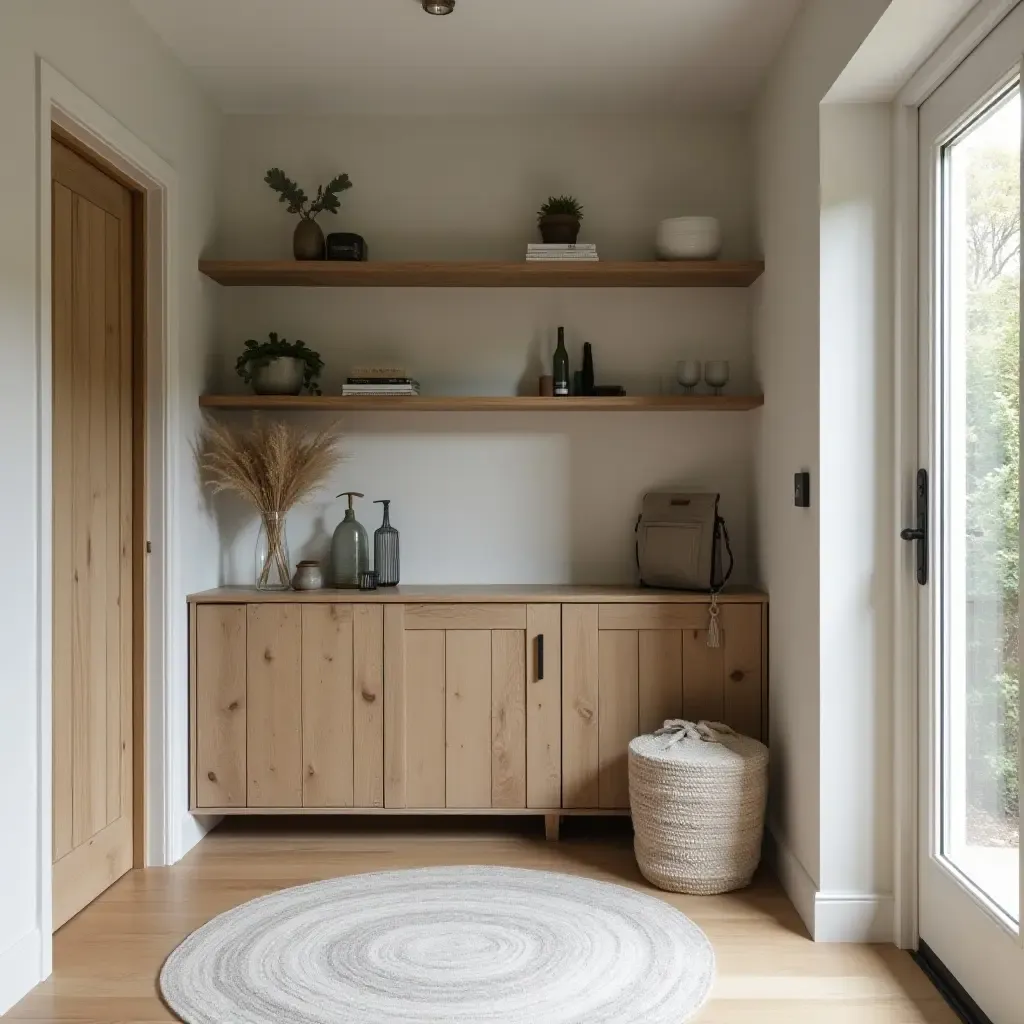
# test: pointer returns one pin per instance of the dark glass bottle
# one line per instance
(385, 549)
(588, 369)
(560, 367)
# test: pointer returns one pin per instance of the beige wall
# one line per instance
(106, 52)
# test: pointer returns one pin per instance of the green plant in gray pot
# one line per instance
(280, 367)
(559, 220)
(308, 242)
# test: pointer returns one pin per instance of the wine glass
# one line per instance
(716, 374)
(688, 374)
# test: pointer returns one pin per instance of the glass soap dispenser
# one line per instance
(385, 549)
(350, 548)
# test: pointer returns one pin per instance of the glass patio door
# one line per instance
(969, 512)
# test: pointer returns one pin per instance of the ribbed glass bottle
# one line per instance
(385, 549)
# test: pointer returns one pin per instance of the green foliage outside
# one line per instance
(993, 480)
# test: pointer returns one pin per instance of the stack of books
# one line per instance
(380, 380)
(543, 253)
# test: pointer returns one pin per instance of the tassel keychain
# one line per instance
(714, 629)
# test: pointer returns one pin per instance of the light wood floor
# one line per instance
(106, 960)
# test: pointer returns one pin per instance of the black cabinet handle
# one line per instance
(540, 657)
(918, 534)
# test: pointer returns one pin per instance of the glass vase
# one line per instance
(273, 564)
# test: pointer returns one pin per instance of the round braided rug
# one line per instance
(470, 944)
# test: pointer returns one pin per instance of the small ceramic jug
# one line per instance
(308, 576)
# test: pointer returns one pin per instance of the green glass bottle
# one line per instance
(560, 367)
(350, 548)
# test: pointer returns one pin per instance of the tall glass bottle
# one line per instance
(385, 549)
(350, 549)
(560, 366)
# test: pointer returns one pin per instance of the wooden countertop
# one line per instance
(492, 593)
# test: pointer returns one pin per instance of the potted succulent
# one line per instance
(280, 366)
(559, 220)
(308, 242)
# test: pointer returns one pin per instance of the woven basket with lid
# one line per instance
(698, 791)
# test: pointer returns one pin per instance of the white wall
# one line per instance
(790, 541)
(103, 49)
(857, 540)
(518, 498)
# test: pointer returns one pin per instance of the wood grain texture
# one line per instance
(482, 594)
(465, 616)
(425, 711)
(483, 403)
(274, 705)
(544, 707)
(92, 653)
(63, 581)
(468, 718)
(618, 715)
(741, 626)
(220, 705)
(660, 677)
(508, 718)
(768, 970)
(645, 615)
(368, 705)
(703, 678)
(396, 774)
(484, 274)
(327, 705)
(580, 741)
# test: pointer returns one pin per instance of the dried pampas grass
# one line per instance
(274, 466)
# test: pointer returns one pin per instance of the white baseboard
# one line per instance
(20, 969)
(193, 830)
(830, 916)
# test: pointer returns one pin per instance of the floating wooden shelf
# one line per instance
(460, 274)
(430, 403)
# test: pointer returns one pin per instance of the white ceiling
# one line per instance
(490, 56)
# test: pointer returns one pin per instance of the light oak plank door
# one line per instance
(742, 681)
(544, 705)
(219, 705)
(468, 718)
(327, 705)
(703, 678)
(92, 532)
(660, 677)
(580, 742)
(618, 660)
(425, 708)
(368, 705)
(508, 718)
(274, 705)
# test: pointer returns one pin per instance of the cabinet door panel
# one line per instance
(580, 749)
(425, 755)
(544, 707)
(368, 705)
(327, 705)
(618, 668)
(274, 713)
(468, 718)
(661, 677)
(508, 718)
(395, 717)
(702, 678)
(220, 700)
(742, 681)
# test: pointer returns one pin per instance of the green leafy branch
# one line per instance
(566, 206)
(298, 202)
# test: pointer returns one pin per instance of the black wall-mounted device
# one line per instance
(345, 246)
(802, 490)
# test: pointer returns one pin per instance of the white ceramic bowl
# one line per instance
(689, 238)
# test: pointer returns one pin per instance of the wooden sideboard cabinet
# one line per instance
(504, 700)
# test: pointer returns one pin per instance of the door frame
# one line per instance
(71, 114)
(907, 391)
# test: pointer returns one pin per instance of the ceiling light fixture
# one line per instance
(439, 6)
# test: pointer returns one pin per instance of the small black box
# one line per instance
(343, 245)
(802, 490)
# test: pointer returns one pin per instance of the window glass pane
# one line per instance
(981, 698)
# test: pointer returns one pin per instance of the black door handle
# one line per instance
(919, 534)
(540, 657)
